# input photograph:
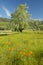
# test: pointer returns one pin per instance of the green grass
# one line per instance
(24, 48)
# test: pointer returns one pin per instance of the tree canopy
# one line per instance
(19, 17)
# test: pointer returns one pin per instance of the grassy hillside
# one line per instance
(22, 48)
(4, 22)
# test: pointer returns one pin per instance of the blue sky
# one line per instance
(9, 6)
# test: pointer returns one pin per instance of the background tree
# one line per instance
(35, 24)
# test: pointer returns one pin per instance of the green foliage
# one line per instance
(20, 16)
(35, 24)
(41, 26)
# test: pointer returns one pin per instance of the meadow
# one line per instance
(24, 48)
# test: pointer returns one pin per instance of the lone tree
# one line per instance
(19, 17)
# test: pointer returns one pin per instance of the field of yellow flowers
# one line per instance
(24, 48)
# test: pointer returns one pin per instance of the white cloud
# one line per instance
(6, 11)
(0, 15)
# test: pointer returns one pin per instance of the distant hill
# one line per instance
(4, 23)
(4, 20)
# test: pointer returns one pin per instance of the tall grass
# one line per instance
(22, 48)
